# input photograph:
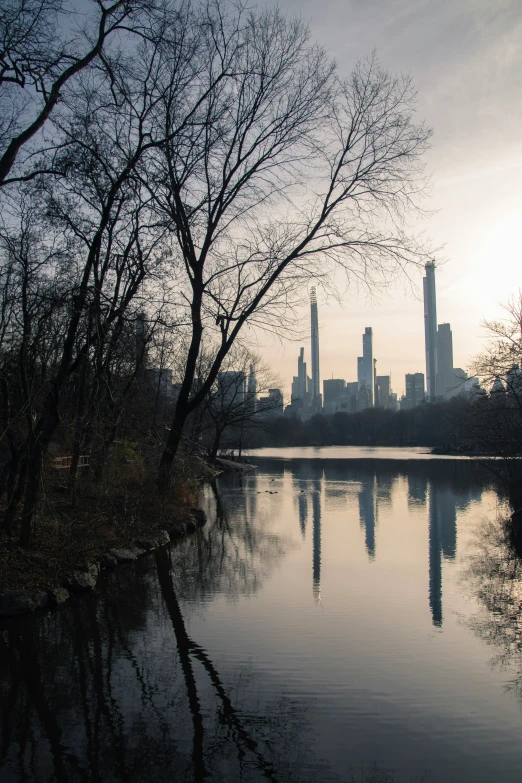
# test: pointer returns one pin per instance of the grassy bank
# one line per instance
(75, 526)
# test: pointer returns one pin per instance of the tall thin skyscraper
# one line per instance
(445, 376)
(430, 330)
(316, 383)
(301, 375)
(365, 367)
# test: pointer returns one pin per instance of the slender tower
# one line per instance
(430, 330)
(316, 383)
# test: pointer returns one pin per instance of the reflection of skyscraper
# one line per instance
(430, 330)
(448, 523)
(302, 501)
(435, 561)
(302, 473)
(367, 513)
(417, 486)
(442, 541)
(316, 383)
(316, 545)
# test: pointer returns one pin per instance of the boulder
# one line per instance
(138, 550)
(199, 515)
(21, 602)
(163, 537)
(108, 561)
(82, 581)
(58, 596)
(123, 555)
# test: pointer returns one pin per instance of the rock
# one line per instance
(21, 602)
(58, 595)
(108, 561)
(123, 555)
(199, 516)
(147, 543)
(191, 526)
(163, 537)
(82, 581)
(138, 550)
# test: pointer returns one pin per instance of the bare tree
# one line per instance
(493, 422)
(43, 45)
(274, 167)
(233, 410)
(100, 220)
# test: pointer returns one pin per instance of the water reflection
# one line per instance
(316, 548)
(494, 575)
(124, 684)
(367, 513)
(101, 690)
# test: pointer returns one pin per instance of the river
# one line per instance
(345, 615)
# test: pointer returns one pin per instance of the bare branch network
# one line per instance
(201, 162)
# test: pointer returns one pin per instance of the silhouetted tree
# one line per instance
(275, 165)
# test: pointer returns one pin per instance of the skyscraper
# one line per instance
(445, 379)
(365, 366)
(414, 389)
(301, 376)
(430, 329)
(232, 388)
(382, 391)
(333, 390)
(316, 384)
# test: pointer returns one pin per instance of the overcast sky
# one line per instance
(465, 57)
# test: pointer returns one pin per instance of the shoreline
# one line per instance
(31, 584)
(84, 576)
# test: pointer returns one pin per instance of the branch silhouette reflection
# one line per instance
(97, 691)
(118, 685)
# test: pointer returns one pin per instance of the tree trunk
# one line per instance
(172, 445)
(16, 495)
(32, 491)
(183, 406)
(37, 447)
(215, 444)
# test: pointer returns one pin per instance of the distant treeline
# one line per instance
(427, 425)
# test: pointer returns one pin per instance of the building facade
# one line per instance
(445, 374)
(316, 382)
(334, 391)
(365, 370)
(415, 393)
(430, 330)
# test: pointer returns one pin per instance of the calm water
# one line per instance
(336, 617)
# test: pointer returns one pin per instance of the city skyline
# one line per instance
(441, 379)
(466, 72)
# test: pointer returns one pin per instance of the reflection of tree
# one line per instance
(494, 576)
(186, 648)
(96, 692)
(234, 553)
